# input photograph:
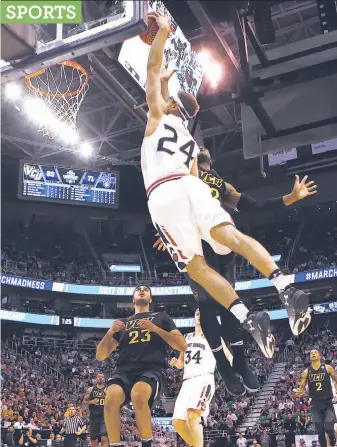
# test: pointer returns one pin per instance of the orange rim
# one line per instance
(72, 64)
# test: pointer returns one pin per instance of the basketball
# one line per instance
(152, 29)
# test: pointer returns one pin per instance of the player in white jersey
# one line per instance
(198, 386)
(181, 206)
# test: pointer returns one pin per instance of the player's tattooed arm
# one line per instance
(303, 383)
(173, 338)
(86, 400)
(332, 373)
(108, 344)
(178, 362)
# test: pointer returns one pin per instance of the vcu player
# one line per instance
(318, 378)
(198, 386)
(139, 374)
(181, 206)
(94, 397)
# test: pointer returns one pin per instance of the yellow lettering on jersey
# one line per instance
(319, 377)
(142, 336)
(132, 324)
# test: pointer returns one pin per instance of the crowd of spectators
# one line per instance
(283, 413)
(57, 252)
(33, 398)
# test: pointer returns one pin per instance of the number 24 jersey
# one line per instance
(198, 358)
(169, 151)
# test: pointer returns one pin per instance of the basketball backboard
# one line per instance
(105, 23)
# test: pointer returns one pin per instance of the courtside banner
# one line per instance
(23, 317)
(29, 283)
(101, 323)
(240, 286)
(315, 275)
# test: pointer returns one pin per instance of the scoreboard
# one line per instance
(66, 185)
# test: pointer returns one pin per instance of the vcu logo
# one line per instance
(319, 377)
(32, 172)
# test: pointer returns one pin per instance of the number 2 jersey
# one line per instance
(168, 153)
(319, 383)
(198, 358)
(140, 349)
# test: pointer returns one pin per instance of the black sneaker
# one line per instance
(296, 303)
(249, 379)
(231, 381)
(258, 325)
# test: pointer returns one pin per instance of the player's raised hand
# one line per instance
(162, 20)
(147, 324)
(118, 326)
(159, 244)
(166, 73)
(303, 188)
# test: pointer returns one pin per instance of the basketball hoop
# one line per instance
(59, 90)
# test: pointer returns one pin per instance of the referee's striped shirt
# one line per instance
(72, 424)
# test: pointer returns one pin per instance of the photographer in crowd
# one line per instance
(27, 438)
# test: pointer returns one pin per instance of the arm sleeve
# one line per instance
(247, 203)
(168, 323)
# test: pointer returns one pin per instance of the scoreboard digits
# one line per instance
(66, 185)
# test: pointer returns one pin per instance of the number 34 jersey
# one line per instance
(198, 358)
(168, 152)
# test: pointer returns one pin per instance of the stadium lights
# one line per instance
(212, 69)
(13, 91)
(86, 150)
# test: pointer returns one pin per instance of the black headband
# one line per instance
(143, 285)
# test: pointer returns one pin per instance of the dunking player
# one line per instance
(318, 377)
(198, 386)
(94, 397)
(142, 340)
(182, 208)
(230, 330)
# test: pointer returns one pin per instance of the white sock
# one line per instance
(280, 282)
(240, 311)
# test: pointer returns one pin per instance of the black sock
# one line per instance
(238, 352)
(221, 359)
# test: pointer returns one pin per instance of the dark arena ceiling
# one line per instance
(107, 118)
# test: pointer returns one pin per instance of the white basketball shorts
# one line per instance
(196, 394)
(183, 211)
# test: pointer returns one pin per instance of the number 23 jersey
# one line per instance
(169, 151)
(139, 348)
(198, 358)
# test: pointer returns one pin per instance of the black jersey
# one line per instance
(139, 348)
(319, 383)
(97, 393)
(215, 182)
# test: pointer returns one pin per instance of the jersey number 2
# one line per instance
(187, 148)
(318, 386)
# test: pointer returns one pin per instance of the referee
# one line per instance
(73, 427)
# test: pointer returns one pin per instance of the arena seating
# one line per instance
(64, 255)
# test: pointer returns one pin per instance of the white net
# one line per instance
(58, 91)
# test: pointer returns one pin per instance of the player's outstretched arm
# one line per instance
(108, 344)
(332, 374)
(173, 338)
(154, 97)
(243, 202)
(303, 383)
(86, 400)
